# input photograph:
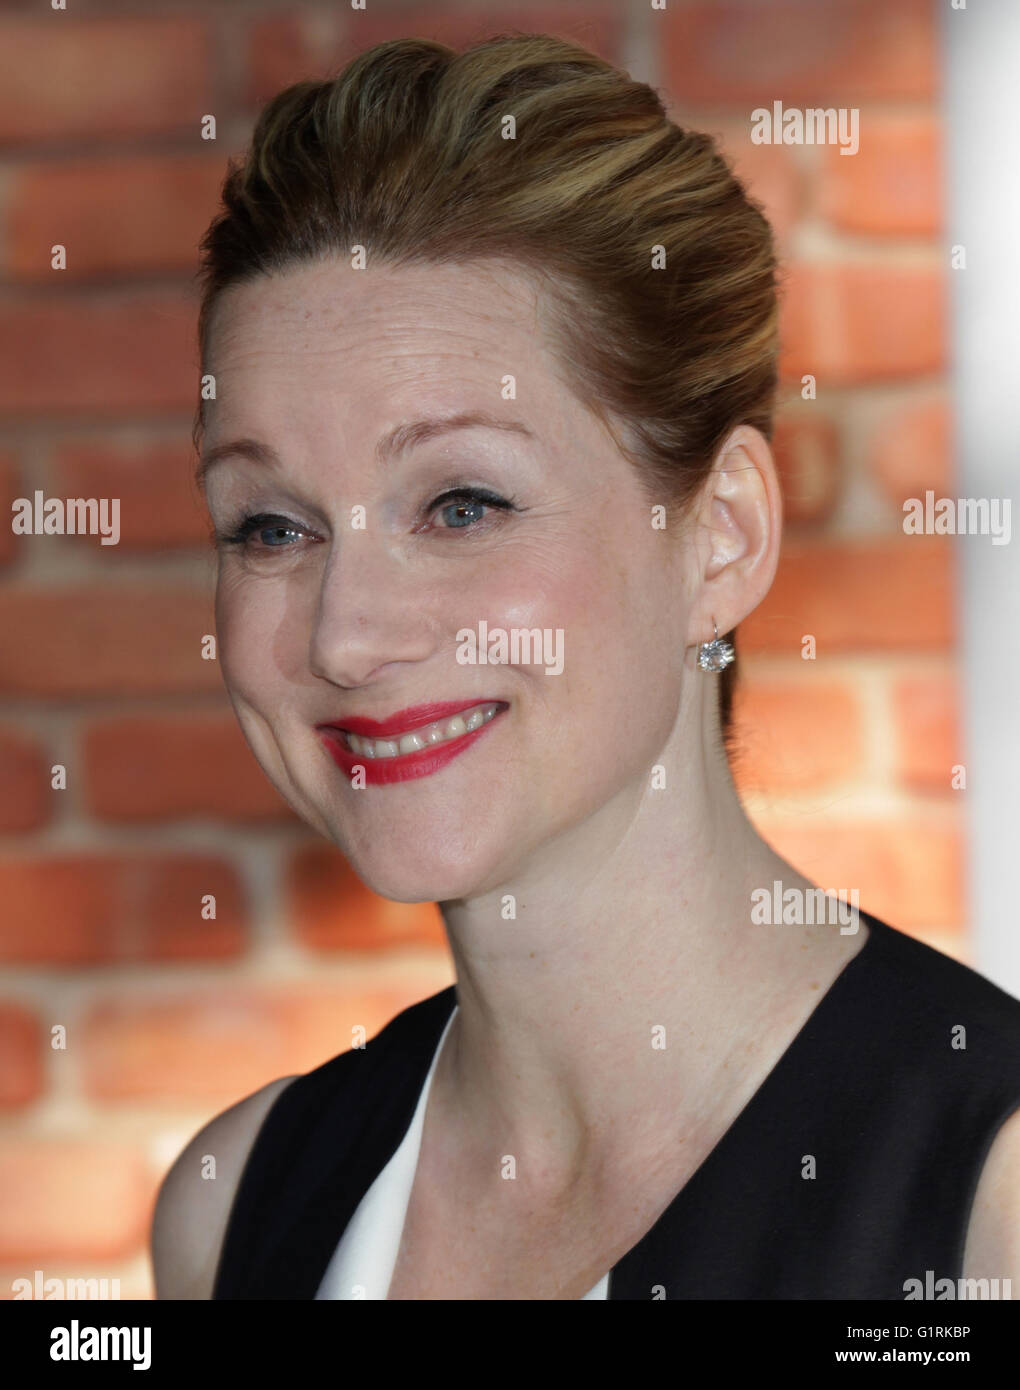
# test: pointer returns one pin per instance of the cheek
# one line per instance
(257, 645)
(593, 597)
(617, 667)
(233, 650)
(554, 583)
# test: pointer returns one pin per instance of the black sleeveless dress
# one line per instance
(896, 1086)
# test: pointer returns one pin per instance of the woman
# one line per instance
(494, 353)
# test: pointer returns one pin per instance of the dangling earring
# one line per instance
(717, 654)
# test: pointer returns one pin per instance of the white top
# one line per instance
(362, 1263)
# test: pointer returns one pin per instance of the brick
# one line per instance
(910, 451)
(597, 26)
(806, 448)
(72, 79)
(217, 1045)
(105, 641)
(62, 911)
(892, 186)
(928, 736)
(909, 875)
(166, 915)
(796, 734)
(858, 323)
(874, 596)
(10, 488)
(160, 504)
(97, 355)
(99, 909)
(333, 910)
(162, 767)
(65, 1198)
(820, 52)
(26, 798)
(114, 216)
(286, 48)
(21, 1056)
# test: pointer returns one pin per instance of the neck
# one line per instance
(632, 983)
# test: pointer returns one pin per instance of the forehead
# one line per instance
(330, 308)
(361, 348)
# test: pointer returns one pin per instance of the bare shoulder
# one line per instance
(993, 1235)
(191, 1213)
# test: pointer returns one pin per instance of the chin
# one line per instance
(428, 887)
(422, 878)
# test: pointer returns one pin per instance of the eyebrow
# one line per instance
(236, 448)
(393, 443)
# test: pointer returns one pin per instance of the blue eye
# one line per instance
(462, 508)
(455, 513)
(466, 501)
(276, 528)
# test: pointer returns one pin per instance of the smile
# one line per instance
(396, 754)
(440, 731)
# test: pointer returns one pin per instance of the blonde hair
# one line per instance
(403, 152)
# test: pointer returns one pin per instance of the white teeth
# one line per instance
(412, 742)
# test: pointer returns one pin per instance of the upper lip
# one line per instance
(405, 720)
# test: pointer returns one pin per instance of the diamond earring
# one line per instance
(717, 654)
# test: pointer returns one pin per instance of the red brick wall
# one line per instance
(846, 759)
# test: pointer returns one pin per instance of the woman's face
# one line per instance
(350, 595)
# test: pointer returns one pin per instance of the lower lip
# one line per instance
(381, 772)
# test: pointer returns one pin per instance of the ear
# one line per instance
(739, 523)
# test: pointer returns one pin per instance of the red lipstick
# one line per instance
(384, 771)
(405, 721)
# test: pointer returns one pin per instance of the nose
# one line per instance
(369, 613)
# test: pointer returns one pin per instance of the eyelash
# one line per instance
(261, 521)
